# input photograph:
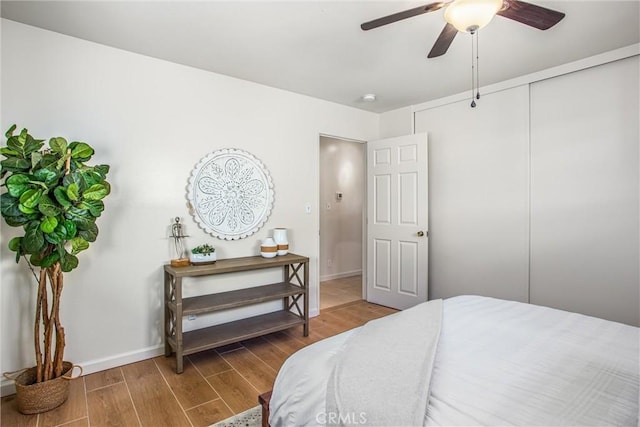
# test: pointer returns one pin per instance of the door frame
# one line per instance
(364, 215)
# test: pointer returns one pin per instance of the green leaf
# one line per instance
(50, 161)
(89, 233)
(68, 262)
(26, 210)
(48, 207)
(73, 192)
(7, 152)
(30, 198)
(80, 217)
(14, 244)
(60, 234)
(81, 151)
(32, 145)
(9, 133)
(78, 244)
(48, 176)
(90, 177)
(36, 158)
(95, 207)
(17, 221)
(61, 197)
(58, 145)
(74, 177)
(33, 241)
(24, 144)
(50, 259)
(95, 192)
(103, 170)
(17, 184)
(35, 259)
(15, 144)
(57, 237)
(15, 164)
(48, 224)
(9, 205)
(71, 228)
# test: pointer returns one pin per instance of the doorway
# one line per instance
(342, 212)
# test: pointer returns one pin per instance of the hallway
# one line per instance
(340, 291)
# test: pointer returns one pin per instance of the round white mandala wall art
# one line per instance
(231, 194)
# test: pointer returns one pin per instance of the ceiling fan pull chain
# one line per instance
(473, 80)
(478, 64)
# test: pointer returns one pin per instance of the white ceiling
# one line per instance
(317, 47)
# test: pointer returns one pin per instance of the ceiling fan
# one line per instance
(471, 15)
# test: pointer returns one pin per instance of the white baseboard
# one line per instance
(7, 387)
(340, 275)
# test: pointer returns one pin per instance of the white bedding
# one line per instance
(362, 366)
(497, 363)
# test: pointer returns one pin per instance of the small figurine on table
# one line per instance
(178, 239)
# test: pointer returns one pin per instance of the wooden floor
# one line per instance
(214, 385)
(340, 291)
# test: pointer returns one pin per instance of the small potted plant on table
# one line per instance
(203, 254)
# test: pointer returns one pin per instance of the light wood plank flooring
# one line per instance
(214, 385)
(340, 291)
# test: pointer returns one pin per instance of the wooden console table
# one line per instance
(295, 285)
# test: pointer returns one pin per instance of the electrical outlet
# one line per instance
(329, 262)
(307, 208)
(191, 317)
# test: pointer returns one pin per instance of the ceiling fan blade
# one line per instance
(431, 7)
(529, 14)
(444, 41)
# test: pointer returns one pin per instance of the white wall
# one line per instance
(341, 170)
(151, 121)
(396, 122)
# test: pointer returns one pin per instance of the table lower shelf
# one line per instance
(228, 333)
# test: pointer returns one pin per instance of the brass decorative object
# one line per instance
(177, 234)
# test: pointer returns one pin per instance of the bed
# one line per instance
(467, 360)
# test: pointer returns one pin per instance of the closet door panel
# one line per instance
(585, 192)
(478, 196)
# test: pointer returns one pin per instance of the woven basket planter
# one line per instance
(34, 398)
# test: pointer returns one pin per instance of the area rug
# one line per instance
(249, 418)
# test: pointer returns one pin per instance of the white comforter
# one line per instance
(497, 363)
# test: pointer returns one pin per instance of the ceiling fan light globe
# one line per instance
(471, 15)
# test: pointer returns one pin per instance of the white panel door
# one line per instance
(397, 241)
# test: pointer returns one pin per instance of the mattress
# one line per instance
(497, 363)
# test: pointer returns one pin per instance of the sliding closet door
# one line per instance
(585, 192)
(478, 196)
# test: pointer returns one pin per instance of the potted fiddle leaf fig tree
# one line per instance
(55, 197)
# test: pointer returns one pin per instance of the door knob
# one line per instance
(420, 233)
